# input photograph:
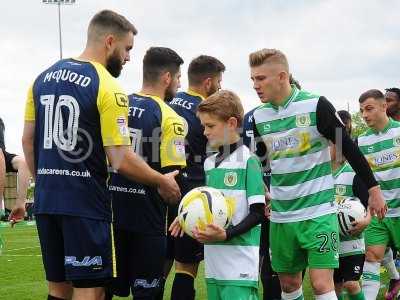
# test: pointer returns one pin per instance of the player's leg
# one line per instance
(352, 267)
(17, 164)
(394, 284)
(269, 278)
(338, 280)
(148, 274)
(2, 181)
(376, 239)
(393, 225)
(287, 258)
(320, 237)
(52, 246)
(88, 256)
(188, 254)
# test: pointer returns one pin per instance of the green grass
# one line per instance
(22, 275)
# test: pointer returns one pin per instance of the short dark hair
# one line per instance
(344, 115)
(110, 21)
(376, 94)
(203, 67)
(394, 90)
(158, 60)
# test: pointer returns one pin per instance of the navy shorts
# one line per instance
(350, 268)
(75, 248)
(140, 264)
(184, 249)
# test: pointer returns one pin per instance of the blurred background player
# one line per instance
(351, 248)
(2, 170)
(205, 76)
(157, 135)
(392, 97)
(75, 121)
(231, 255)
(13, 163)
(296, 126)
(381, 144)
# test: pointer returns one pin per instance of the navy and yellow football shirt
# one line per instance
(158, 136)
(185, 104)
(78, 108)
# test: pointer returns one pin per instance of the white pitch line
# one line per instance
(21, 248)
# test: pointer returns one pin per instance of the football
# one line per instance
(349, 210)
(202, 206)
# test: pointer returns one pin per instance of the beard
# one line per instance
(213, 89)
(170, 93)
(114, 64)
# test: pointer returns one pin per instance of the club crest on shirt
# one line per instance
(230, 178)
(303, 120)
(340, 189)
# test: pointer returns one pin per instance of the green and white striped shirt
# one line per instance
(382, 151)
(239, 176)
(301, 174)
(344, 177)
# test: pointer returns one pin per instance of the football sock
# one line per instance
(296, 295)
(371, 280)
(358, 296)
(183, 287)
(341, 297)
(327, 296)
(388, 263)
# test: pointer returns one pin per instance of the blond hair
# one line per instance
(268, 56)
(223, 104)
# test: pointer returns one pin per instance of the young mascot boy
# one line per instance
(231, 256)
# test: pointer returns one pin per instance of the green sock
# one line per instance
(341, 297)
(359, 296)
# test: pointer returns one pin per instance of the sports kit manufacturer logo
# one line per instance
(303, 120)
(230, 178)
(396, 141)
(267, 127)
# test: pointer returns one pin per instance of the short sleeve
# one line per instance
(112, 104)
(255, 188)
(172, 148)
(30, 106)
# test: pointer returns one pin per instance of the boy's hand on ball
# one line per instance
(176, 229)
(360, 225)
(212, 233)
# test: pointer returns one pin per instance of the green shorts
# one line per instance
(383, 232)
(228, 292)
(313, 243)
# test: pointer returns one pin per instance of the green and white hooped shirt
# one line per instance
(382, 151)
(301, 174)
(343, 177)
(239, 176)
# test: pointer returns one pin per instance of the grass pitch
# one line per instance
(22, 275)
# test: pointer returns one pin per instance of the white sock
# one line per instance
(296, 295)
(388, 263)
(327, 296)
(371, 280)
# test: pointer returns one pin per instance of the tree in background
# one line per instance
(358, 125)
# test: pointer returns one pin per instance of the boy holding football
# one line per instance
(231, 255)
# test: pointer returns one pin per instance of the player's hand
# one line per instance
(212, 233)
(17, 214)
(176, 229)
(360, 225)
(169, 189)
(376, 203)
(267, 209)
